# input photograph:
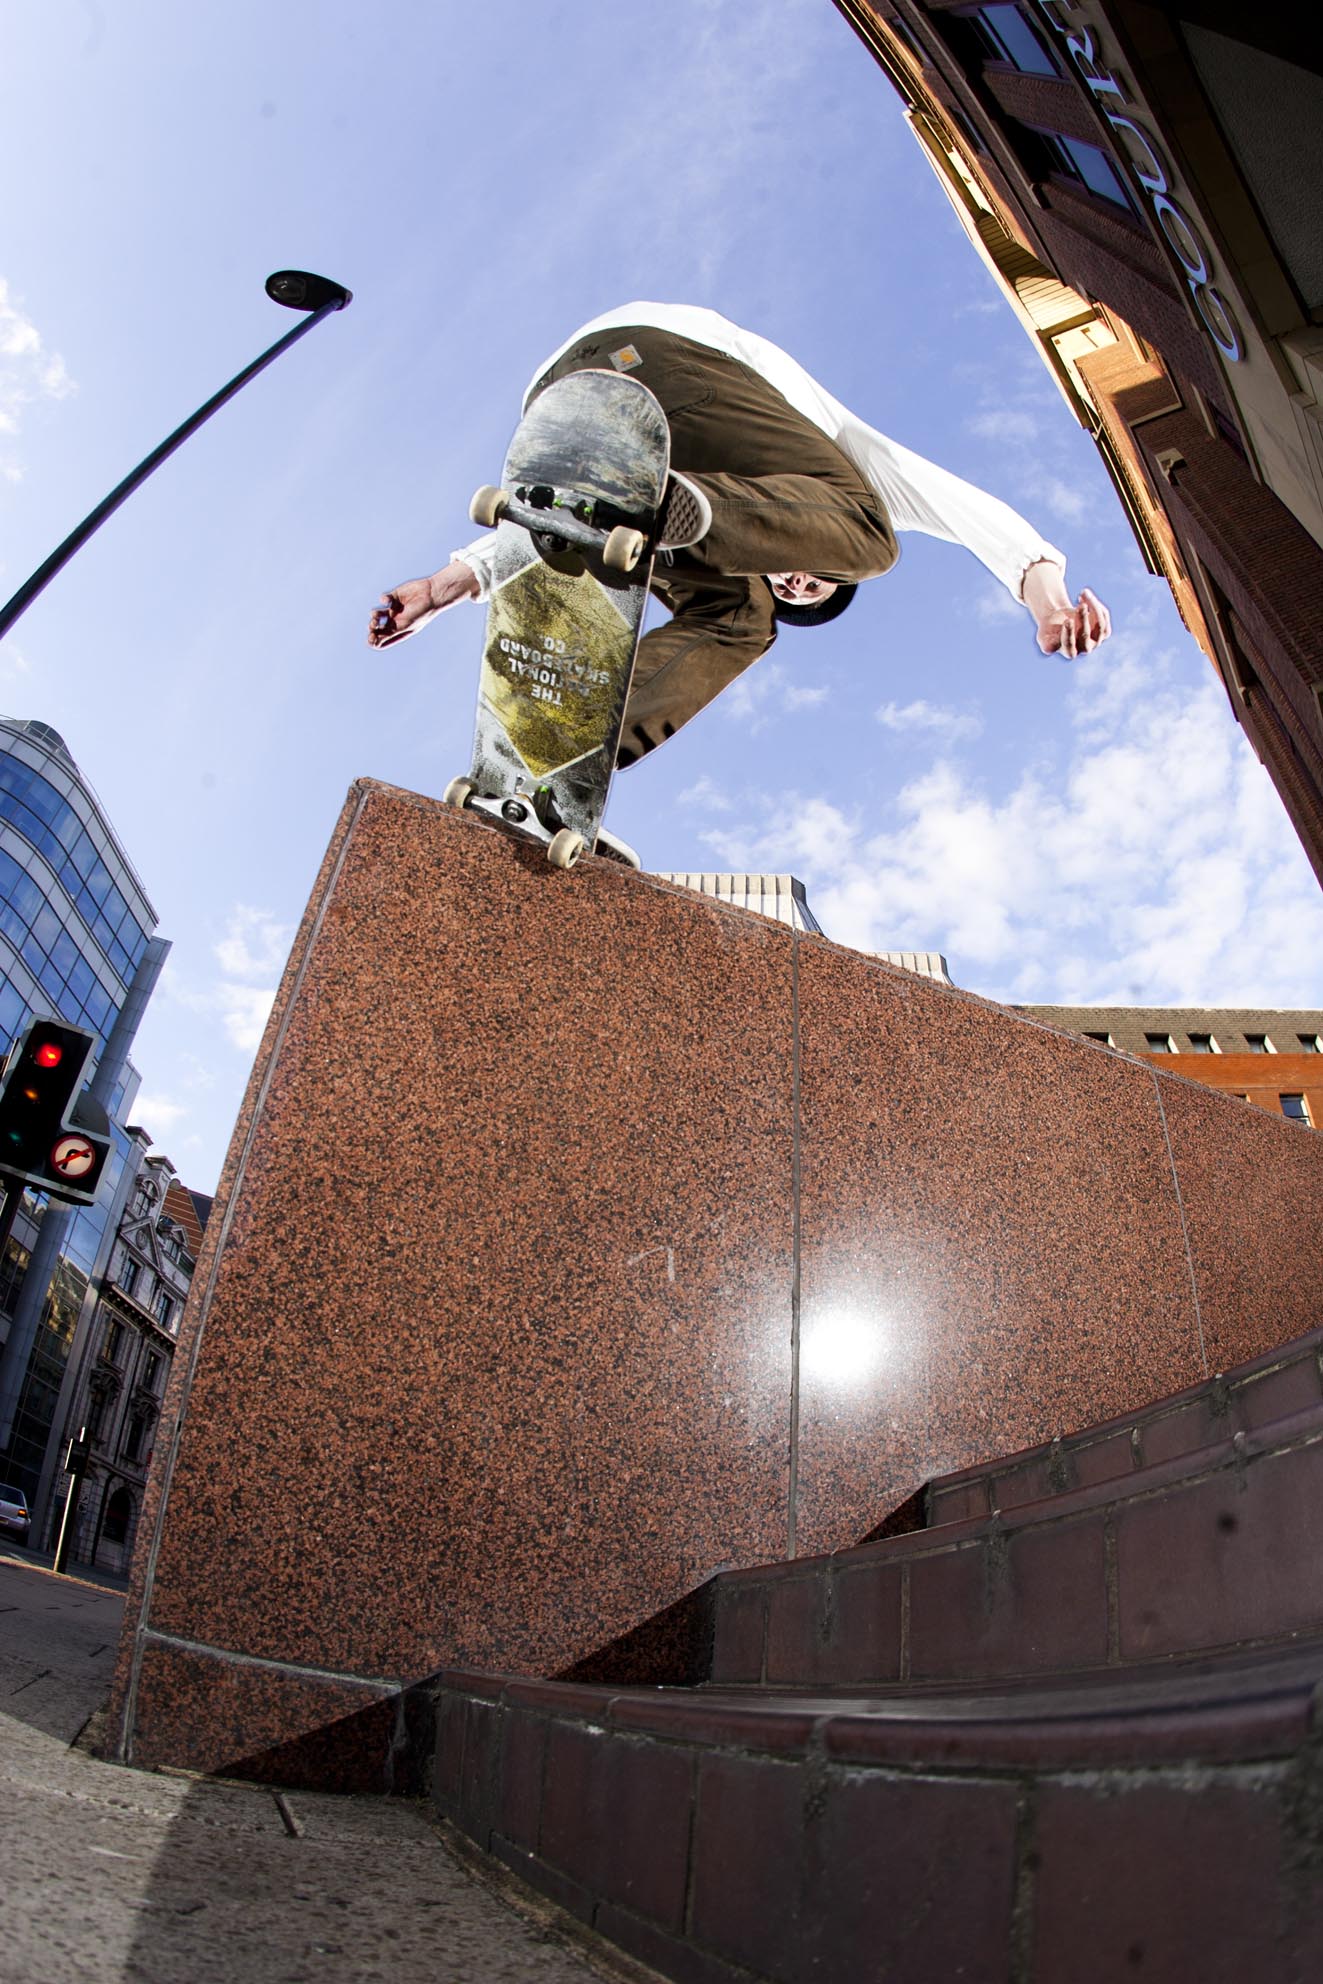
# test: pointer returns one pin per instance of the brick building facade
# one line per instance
(1272, 1059)
(1141, 182)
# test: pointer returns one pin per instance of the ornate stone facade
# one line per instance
(126, 1358)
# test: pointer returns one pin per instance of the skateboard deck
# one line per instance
(576, 513)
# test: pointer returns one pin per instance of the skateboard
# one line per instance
(576, 515)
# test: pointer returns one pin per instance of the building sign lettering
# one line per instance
(1149, 169)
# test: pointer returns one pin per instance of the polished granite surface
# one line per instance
(581, 1236)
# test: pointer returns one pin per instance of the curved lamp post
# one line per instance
(297, 290)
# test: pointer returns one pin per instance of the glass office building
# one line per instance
(77, 943)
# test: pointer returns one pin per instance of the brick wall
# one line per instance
(1287, 767)
(1116, 263)
(1047, 103)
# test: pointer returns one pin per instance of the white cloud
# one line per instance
(14, 665)
(254, 948)
(158, 1114)
(950, 724)
(251, 955)
(705, 792)
(1065, 499)
(1153, 866)
(997, 604)
(1006, 424)
(28, 372)
(255, 945)
(244, 1011)
(18, 337)
(766, 690)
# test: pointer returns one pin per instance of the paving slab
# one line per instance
(118, 1876)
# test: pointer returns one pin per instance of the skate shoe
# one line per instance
(616, 850)
(686, 514)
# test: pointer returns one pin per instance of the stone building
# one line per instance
(1141, 182)
(121, 1363)
(1273, 1059)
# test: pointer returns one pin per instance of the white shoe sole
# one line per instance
(616, 850)
(686, 516)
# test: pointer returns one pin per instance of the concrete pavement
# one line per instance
(119, 1876)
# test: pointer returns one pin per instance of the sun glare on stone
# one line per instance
(843, 1347)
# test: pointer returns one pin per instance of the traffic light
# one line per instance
(51, 1136)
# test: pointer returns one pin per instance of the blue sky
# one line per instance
(484, 179)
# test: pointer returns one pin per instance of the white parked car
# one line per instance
(14, 1518)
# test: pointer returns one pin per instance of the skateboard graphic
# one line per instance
(576, 516)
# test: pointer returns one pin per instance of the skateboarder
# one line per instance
(781, 502)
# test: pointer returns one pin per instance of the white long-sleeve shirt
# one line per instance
(918, 495)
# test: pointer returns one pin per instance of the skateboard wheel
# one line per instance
(488, 506)
(623, 549)
(458, 792)
(565, 848)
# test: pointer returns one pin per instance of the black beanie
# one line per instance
(818, 614)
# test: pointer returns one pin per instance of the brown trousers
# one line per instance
(784, 499)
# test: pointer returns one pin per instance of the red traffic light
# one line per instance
(51, 1136)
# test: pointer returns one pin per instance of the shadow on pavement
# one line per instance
(118, 1876)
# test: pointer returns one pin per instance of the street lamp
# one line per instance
(297, 290)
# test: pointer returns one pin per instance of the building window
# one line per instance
(173, 1247)
(1006, 36)
(151, 1367)
(1258, 1043)
(1226, 428)
(905, 34)
(128, 1275)
(1203, 1043)
(965, 128)
(133, 1439)
(96, 1416)
(13, 1266)
(1158, 1043)
(1103, 1039)
(1310, 1043)
(1071, 158)
(1295, 1109)
(110, 1349)
(165, 1308)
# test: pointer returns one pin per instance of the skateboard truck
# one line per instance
(531, 810)
(547, 512)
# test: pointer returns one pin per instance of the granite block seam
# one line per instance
(1185, 1227)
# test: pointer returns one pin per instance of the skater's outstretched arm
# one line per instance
(412, 603)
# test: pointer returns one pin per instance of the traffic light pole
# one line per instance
(75, 1466)
(65, 1543)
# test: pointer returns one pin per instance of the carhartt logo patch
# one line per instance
(626, 358)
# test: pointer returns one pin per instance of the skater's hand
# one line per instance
(416, 601)
(1064, 627)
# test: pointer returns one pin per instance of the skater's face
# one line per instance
(800, 588)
